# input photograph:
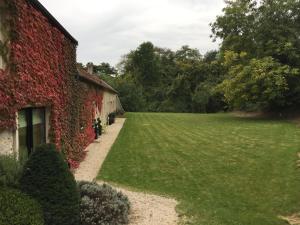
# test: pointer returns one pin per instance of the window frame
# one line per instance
(30, 130)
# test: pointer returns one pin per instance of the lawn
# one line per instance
(222, 169)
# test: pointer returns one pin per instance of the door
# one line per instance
(31, 129)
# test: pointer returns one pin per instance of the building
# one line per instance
(43, 96)
(110, 99)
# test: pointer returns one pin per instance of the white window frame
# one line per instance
(16, 133)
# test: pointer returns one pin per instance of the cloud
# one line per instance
(108, 29)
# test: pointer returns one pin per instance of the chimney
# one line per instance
(90, 67)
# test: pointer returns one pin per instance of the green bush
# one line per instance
(10, 171)
(46, 178)
(102, 205)
(17, 208)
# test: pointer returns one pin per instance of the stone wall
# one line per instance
(6, 142)
(108, 105)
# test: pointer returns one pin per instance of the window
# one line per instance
(31, 130)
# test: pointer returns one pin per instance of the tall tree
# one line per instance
(267, 33)
(143, 64)
(105, 68)
(278, 31)
(261, 28)
(159, 79)
(236, 28)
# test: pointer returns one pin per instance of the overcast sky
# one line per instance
(108, 29)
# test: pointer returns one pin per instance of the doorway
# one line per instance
(31, 130)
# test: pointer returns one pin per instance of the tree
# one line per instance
(267, 34)
(279, 30)
(260, 85)
(104, 68)
(180, 94)
(261, 28)
(143, 65)
(187, 54)
(131, 95)
(211, 56)
(158, 79)
(236, 28)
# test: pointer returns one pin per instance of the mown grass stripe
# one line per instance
(224, 170)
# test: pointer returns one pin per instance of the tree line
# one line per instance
(256, 68)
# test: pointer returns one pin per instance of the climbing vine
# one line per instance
(42, 73)
(7, 15)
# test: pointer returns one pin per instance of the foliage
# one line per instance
(260, 34)
(261, 28)
(130, 93)
(236, 27)
(222, 169)
(46, 178)
(260, 85)
(202, 96)
(10, 171)
(17, 208)
(267, 32)
(7, 11)
(101, 204)
(42, 73)
(105, 69)
(143, 64)
(156, 79)
(109, 79)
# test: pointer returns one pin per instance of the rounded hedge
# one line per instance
(102, 205)
(46, 177)
(17, 208)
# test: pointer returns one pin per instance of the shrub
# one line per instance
(10, 171)
(46, 178)
(19, 209)
(102, 205)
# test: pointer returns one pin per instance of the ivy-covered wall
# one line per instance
(41, 71)
(87, 101)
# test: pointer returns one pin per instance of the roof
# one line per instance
(95, 79)
(36, 4)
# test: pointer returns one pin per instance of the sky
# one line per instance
(108, 29)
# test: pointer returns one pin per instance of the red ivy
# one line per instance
(42, 72)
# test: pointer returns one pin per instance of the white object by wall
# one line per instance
(109, 103)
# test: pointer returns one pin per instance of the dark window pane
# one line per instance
(31, 128)
(22, 125)
(38, 124)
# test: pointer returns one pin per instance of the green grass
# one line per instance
(223, 170)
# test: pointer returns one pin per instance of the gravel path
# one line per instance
(146, 209)
(97, 152)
